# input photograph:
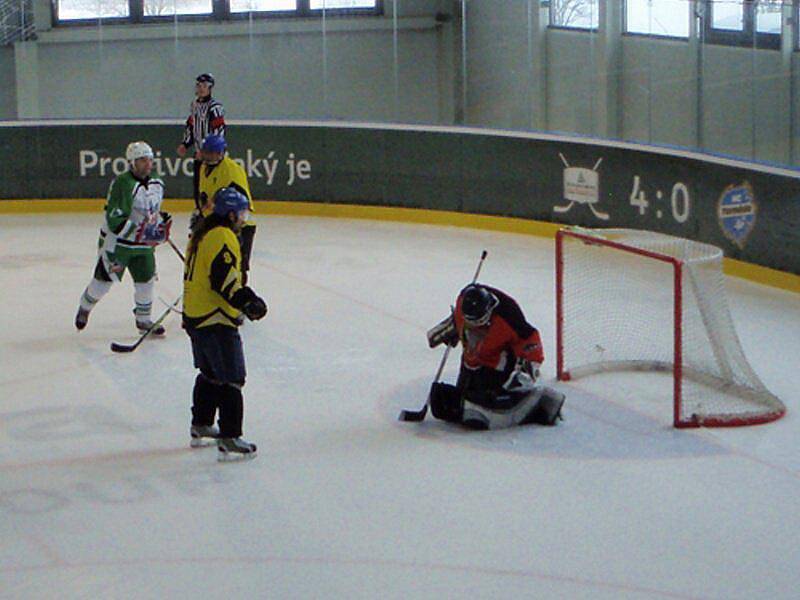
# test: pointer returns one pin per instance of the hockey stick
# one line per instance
(168, 305)
(419, 415)
(177, 250)
(115, 347)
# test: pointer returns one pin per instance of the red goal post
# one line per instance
(629, 300)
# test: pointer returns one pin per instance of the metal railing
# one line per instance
(16, 21)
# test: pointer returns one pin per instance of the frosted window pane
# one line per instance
(156, 8)
(727, 14)
(238, 6)
(329, 4)
(658, 17)
(91, 9)
(768, 16)
(579, 14)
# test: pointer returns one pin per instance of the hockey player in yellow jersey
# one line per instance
(220, 171)
(214, 304)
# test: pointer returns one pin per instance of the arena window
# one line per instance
(68, 12)
(575, 14)
(659, 18)
(753, 23)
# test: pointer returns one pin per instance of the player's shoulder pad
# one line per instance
(232, 166)
(221, 236)
(124, 182)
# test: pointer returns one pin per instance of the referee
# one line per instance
(206, 116)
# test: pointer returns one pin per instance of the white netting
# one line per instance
(618, 313)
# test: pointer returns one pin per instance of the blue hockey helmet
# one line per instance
(228, 200)
(214, 143)
(477, 304)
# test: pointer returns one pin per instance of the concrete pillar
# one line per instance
(608, 64)
(26, 63)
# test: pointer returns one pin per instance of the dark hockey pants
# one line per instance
(218, 353)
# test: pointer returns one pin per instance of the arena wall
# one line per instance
(524, 182)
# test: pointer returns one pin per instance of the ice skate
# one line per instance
(203, 435)
(231, 449)
(81, 318)
(144, 325)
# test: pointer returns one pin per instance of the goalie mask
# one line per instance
(477, 304)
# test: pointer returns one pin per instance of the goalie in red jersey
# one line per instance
(502, 352)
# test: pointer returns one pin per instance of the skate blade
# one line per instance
(202, 442)
(235, 456)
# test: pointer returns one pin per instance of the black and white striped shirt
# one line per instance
(206, 116)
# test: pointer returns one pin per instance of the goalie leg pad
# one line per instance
(503, 411)
(446, 403)
(547, 410)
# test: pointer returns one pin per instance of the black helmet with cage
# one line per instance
(477, 304)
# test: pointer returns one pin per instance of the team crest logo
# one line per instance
(736, 211)
(581, 186)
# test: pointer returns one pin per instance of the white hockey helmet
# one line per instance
(138, 150)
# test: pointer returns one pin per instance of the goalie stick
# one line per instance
(419, 415)
(115, 347)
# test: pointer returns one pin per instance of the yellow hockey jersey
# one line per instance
(227, 173)
(212, 276)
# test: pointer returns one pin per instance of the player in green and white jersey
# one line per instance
(134, 224)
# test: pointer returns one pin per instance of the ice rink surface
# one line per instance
(100, 495)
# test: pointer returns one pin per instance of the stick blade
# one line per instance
(414, 416)
(122, 348)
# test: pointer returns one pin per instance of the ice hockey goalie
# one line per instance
(501, 355)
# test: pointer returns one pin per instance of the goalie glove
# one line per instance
(529, 367)
(443, 333)
(519, 382)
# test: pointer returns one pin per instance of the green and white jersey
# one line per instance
(130, 203)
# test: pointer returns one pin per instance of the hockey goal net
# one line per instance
(631, 300)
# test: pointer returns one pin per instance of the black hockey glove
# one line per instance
(253, 307)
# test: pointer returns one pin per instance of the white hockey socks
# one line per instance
(93, 293)
(143, 297)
